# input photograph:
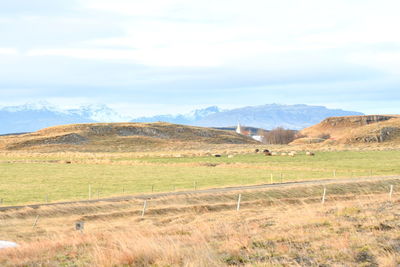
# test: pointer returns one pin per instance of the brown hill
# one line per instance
(353, 129)
(119, 137)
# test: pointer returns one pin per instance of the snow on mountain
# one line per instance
(99, 112)
(34, 116)
(188, 118)
(266, 116)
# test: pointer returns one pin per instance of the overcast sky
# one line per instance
(169, 56)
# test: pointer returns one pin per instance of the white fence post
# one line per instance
(391, 192)
(323, 196)
(272, 178)
(90, 192)
(144, 207)
(238, 202)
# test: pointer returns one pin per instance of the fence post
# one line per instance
(1, 201)
(47, 198)
(90, 192)
(152, 188)
(35, 222)
(272, 178)
(281, 177)
(323, 196)
(195, 185)
(144, 207)
(391, 192)
(238, 202)
(334, 173)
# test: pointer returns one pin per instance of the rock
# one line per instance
(7, 244)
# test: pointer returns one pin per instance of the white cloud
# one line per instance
(8, 51)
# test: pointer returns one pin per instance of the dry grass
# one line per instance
(357, 226)
(119, 137)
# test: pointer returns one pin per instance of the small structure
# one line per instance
(239, 128)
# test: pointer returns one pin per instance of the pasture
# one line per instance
(36, 178)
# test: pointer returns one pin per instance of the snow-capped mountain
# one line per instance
(99, 112)
(188, 118)
(34, 116)
(266, 116)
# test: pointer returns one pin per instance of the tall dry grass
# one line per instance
(290, 229)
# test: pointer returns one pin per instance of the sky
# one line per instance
(171, 56)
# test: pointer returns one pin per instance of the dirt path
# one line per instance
(211, 191)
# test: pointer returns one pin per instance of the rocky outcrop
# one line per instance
(355, 121)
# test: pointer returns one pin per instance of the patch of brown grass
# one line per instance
(286, 227)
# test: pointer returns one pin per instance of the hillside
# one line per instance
(353, 130)
(118, 137)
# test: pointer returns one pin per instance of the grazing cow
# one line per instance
(267, 154)
(217, 155)
(292, 154)
(308, 153)
(266, 151)
(283, 154)
(257, 150)
(274, 154)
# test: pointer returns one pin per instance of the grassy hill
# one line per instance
(353, 130)
(118, 137)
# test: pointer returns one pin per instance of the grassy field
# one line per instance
(357, 226)
(31, 178)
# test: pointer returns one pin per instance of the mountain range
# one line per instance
(32, 117)
(269, 116)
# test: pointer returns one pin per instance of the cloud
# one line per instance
(8, 51)
(200, 52)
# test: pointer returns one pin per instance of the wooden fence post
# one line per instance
(35, 222)
(195, 185)
(238, 202)
(272, 178)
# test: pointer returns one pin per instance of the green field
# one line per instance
(32, 179)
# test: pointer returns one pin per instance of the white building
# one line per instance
(239, 129)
